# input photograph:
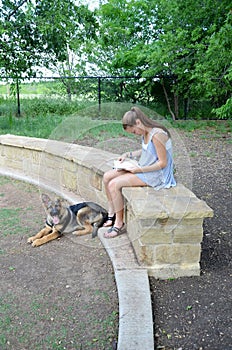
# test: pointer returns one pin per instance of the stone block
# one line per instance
(133, 229)
(155, 236)
(11, 153)
(50, 161)
(14, 164)
(144, 209)
(27, 166)
(90, 193)
(87, 177)
(69, 166)
(96, 181)
(148, 222)
(144, 254)
(177, 253)
(165, 271)
(35, 170)
(3, 159)
(36, 157)
(68, 180)
(187, 232)
(51, 172)
(187, 207)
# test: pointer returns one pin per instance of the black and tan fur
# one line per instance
(80, 219)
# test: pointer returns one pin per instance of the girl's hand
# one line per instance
(134, 170)
(122, 157)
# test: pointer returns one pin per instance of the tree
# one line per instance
(43, 33)
(213, 73)
(187, 28)
(125, 27)
(66, 30)
(21, 46)
(164, 40)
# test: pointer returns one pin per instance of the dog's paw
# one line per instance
(30, 240)
(76, 233)
(36, 243)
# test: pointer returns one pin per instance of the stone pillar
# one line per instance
(166, 229)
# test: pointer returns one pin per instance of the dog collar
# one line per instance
(48, 224)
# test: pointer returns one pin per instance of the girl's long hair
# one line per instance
(130, 117)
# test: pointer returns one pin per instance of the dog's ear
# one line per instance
(60, 201)
(46, 200)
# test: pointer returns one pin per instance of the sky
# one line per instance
(92, 4)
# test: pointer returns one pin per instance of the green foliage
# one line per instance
(40, 126)
(213, 73)
(39, 116)
(182, 48)
(177, 42)
(225, 111)
(71, 121)
(75, 122)
(41, 106)
(125, 28)
(21, 46)
(41, 33)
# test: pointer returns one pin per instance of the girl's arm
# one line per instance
(131, 155)
(159, 141)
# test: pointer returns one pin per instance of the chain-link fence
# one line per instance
(99, 89)
(148, 92)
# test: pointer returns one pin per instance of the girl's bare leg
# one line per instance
(108, 176)
(114, 182)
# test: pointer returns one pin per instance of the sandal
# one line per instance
(115, 231)
(110, 221)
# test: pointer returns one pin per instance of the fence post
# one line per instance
(18, 98)
(99, 96)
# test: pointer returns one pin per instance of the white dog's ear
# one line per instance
(46, 200)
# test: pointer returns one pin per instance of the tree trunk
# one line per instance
(186, 107)
(69, 81)
(168, 102)
(176, 105)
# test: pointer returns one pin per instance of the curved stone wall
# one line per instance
(164, 227)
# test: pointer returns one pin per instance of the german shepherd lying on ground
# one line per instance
(79, 219)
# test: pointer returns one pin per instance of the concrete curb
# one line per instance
(135, 310)
(135, 316)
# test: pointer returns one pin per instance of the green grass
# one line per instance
(20, 324)
(4, 180)
(213, 127)
(69, 126)
(71, 120)
(37, 88)
(9, 221)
